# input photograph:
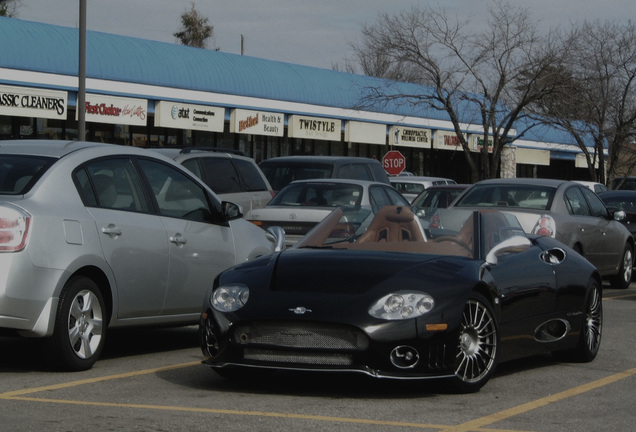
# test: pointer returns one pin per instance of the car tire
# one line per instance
(477, 345)
(623, 278)
(591, 328)
(80, 330)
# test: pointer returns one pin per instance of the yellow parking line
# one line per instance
(13, 394)
(620, 296)
(477, 425)
(521, 409)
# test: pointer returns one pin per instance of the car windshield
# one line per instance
(319, 195)
(508, 195)
(280, 175)
(625, 204)
(397, 229)
(431, 199)
(18, 173)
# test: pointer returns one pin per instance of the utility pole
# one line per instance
(242, 45)
(81, 89)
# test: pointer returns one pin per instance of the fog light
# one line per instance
(405, 357)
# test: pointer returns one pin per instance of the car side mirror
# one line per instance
(513, 244)
(619, 215)
(276, 235)
(231, 210)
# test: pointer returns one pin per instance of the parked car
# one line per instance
(280, 171)
(394, 301)
(302, 204)
(432, 198)
(96, 236)
(565, 210)
(412, 186)
(625, 201)
(594, 186)
(230, 174)
(624, 183)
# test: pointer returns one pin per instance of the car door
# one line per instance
(582, 226)
(611, 243)
(200, 242)
(133, 239)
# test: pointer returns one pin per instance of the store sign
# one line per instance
(257, 122)
(32, 102)
(187, 116)
(365, 133)
(314, 128)
(476, 143)
(446, 141)
(115, 110)
(409, 137)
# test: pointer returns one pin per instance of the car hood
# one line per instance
(348, 272)
(341, 284)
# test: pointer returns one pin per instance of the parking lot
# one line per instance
(152, 380)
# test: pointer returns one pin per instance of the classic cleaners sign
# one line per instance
(31, 102)
(257, 122)
(187, 116)
(116, 110)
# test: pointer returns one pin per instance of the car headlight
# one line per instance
(402, 305)
(230, 298)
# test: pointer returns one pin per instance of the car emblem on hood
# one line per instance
(292, 216)
(300, 310)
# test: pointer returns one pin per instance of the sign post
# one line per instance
(394, 162)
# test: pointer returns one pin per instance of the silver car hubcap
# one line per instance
(593, 321)
(627, 266)
(477, 343)
(85, 324)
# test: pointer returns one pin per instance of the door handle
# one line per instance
(111, 230)
(178, 239)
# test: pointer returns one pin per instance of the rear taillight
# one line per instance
(14, 227)
(545, 226)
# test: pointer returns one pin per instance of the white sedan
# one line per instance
(298, 207)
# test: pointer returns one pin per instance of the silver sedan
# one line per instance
(94, 236)
(299, 206)
(565, 210)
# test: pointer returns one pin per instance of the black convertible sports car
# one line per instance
(381, 296)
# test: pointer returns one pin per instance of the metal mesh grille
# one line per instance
(301, 336)
(291, 357)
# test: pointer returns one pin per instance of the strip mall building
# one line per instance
(148, 93)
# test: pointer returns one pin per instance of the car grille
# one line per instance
(299, 343)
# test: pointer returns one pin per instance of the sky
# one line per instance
(316, 33)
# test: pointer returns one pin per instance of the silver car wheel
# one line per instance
(477, 343)
(85, 323)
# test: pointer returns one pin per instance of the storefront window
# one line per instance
(102, 132)
(50, 129)
(6, 127)
(26, 127)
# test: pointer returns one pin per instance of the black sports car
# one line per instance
(381, 296)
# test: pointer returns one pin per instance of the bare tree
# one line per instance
(599, 104)
(195, 30)
(487, 77)
(9, 8)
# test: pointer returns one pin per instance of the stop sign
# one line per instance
(394, 162)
